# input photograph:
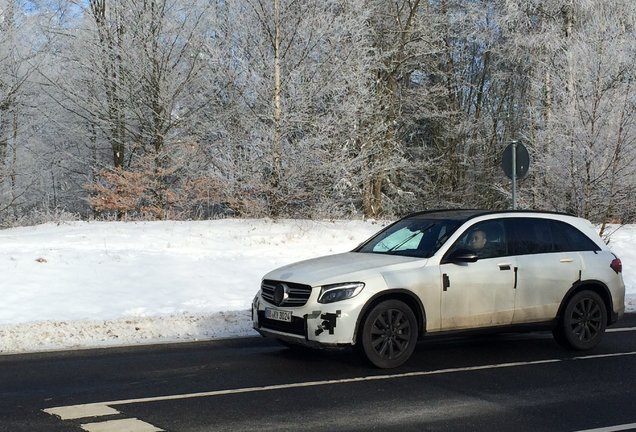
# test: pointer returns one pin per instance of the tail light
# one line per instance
(617, 265)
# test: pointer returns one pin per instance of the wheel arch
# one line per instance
(406, 296)
(591, 285)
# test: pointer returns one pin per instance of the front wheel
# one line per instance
(583, 322)
(389, 334)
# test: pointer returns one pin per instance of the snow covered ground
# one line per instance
(95, 284)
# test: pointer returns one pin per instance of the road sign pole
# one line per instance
(515, 161)
(514, 175)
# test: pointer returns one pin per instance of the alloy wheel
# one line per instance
(586, 319)
(390, 333)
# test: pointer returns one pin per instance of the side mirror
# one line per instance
(461, 256)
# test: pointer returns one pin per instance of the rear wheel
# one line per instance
(389, 334)
(583, 322)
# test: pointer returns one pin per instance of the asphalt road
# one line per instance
(498, 383)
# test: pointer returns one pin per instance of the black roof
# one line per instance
(450, 214)
(465, 214)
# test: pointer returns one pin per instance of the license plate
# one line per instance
(278, 315)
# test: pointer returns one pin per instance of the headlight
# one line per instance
(341, 291)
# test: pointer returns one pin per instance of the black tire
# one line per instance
(583, 322)
(389, 334)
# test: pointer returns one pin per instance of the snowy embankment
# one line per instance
(81, 284)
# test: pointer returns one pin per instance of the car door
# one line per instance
(546, 271)
(480, 293)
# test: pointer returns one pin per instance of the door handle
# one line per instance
(566, 260)
(504, 266)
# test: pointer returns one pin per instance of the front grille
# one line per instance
(298, 294)
(296, 326)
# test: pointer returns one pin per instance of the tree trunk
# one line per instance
(277, 142)
(113, 75)
(387, 87)
(14, 159)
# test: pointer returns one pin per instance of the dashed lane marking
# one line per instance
(123, 425)
(81, 411)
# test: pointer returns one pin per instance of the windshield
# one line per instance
(416, 237)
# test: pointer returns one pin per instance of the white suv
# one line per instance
(447, 271)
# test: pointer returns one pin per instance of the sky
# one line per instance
(82, 285)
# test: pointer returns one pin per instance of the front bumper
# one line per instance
(315, 324)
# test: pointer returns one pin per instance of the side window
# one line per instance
(487, 239)
(530, 236)
(568, 239)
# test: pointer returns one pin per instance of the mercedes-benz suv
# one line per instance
(447, 271)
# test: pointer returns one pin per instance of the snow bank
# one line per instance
(99, 284)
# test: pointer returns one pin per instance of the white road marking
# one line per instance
(317, 383)
(123, 425)
(620, 329)
(597, 356)
(347, 380)
(81, 411)
(612, 428)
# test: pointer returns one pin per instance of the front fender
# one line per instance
(406, 296)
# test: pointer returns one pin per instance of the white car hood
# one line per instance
(345, 267)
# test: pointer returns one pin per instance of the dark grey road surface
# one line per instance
(497, 383)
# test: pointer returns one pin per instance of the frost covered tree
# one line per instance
(11, 82)
(134, 73)
(580, 116)
(21, 45)
(314, 108)
(290, 85)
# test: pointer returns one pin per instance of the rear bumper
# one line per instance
(616, 315)
(617, 296)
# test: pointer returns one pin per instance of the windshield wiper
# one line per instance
(409, 238)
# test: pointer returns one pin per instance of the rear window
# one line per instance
(567, 238)
(534, 235)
